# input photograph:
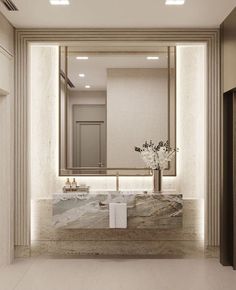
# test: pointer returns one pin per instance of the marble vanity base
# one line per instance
(123, 249)
(181, 242)
(163, 249)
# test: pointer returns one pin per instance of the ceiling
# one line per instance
(95, 68)
(119, 14)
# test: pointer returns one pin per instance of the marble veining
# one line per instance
(184, 241)
(145, 210)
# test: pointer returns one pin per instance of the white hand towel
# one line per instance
(112, 215)
(121, 215)
(118, 215)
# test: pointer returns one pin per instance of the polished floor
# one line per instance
(114, 274)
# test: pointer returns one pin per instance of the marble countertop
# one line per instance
(110, 192)
(90, 210)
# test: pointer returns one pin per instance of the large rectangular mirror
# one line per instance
(112, 100)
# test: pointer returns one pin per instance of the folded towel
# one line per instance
(118, 215)
(112, 215)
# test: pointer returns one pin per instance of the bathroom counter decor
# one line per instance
(157, 157)
(91, 210)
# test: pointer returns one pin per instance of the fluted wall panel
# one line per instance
(24, 37)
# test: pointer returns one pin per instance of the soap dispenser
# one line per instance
(74, 185)
(68, 184)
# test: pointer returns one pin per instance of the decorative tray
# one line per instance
(78, 189)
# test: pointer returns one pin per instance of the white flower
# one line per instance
(157, 157)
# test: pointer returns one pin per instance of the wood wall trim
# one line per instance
(25, 36)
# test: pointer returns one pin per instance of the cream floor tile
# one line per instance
(11, 275)
(119, 274)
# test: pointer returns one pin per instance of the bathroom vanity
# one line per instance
(91, 210)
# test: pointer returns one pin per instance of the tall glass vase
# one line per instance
(157, 181)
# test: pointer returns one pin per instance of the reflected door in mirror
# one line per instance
(89, 136)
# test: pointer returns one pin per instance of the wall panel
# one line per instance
(93, 36)
(6, 140)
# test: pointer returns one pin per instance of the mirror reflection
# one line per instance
(111, 101)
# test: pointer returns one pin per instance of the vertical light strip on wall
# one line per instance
(191, 136)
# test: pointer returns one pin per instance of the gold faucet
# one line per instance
(117, 181)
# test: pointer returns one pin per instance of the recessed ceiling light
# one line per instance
(87, 87)
(81, 75)
(175, 2)
(59, 2)
(152, 57)
(82, 57)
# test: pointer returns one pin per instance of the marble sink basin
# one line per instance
(103, 197)
(127, 197)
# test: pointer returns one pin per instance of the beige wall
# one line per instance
(6, 140)
(137, 110)
(44, 125)
(191, 104)
(228, 52)
(44, 138)
(23, 37)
